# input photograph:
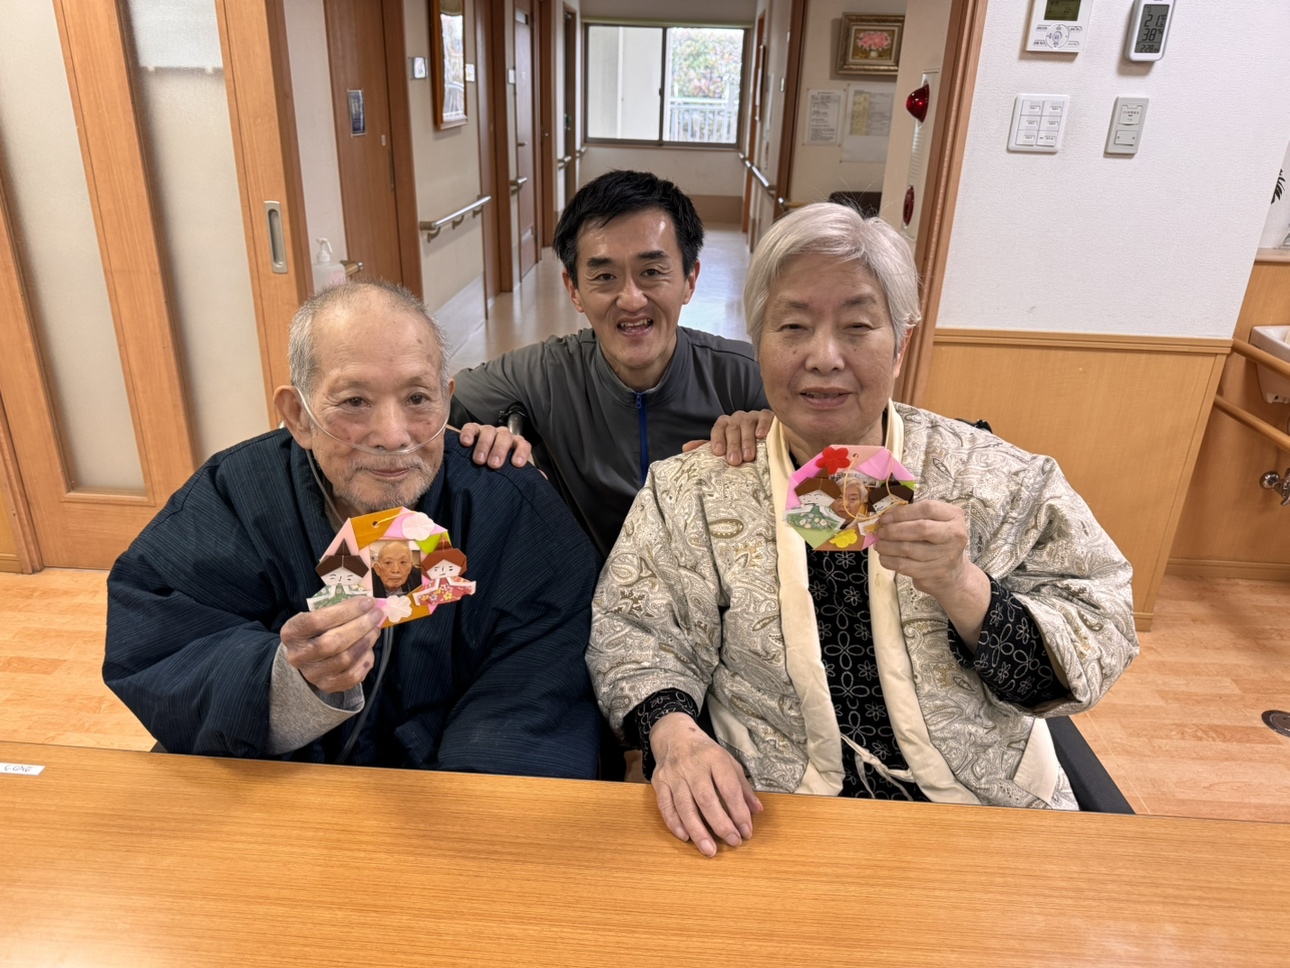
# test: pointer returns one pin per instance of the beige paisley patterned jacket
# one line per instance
(706, 592)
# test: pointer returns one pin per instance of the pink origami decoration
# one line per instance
(396, 556)
(836, 498)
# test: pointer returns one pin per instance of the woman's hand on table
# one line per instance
(699, 786)
(926, 541)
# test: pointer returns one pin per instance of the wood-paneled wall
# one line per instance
(1232, 527)
(1123, 416)
(8, 546)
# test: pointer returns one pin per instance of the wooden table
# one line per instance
(119, 858)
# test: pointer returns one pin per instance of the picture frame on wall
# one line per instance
(448, 52)
(869, 43)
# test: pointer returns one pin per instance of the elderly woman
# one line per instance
(915, 670)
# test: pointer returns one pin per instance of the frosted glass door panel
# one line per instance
(184, 117)
(57, 244)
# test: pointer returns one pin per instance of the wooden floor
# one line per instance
(1180, 733)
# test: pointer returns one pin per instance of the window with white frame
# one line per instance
(663, 85)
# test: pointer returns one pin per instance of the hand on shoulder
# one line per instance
(494, 444)
(735, 436)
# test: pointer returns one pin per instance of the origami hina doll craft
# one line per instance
(399, 557)
(836, 498)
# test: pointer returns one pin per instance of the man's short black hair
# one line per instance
(616, 193)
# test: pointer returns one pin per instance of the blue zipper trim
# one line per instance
(640, 408)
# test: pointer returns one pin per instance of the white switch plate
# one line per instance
(1127, 121)
(1038, 122)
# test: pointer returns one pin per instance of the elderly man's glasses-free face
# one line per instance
(351, 428)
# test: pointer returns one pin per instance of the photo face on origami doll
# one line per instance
(853, 501)
(397, 564)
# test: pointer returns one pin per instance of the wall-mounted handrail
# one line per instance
(1240, 415)
(761, 179)
(432, 229)
(1261, 427)
(1262, 357)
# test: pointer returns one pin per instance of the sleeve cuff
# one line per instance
(1010, 657)
(639, 722)
(299, 712)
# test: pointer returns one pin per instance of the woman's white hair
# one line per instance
(302, 357)
(829, 229)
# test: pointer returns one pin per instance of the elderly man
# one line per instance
(208, 639)
(392, 571)
(634, 388)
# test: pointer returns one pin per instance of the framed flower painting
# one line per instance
(869, 44)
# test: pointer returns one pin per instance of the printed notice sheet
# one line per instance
(868, 121)
(823, 114)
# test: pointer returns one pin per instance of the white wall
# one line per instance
(1160, 243)
(922, 49)
(819, 169)
(315, 124)
(712, 12)
(696, 171)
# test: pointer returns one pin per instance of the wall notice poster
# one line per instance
(868, 121)
(823, 116)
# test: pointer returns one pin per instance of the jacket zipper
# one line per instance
(640, 409)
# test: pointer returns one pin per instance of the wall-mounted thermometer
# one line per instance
(1149, 29)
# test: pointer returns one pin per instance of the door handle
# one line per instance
(277, 243)
(521, 144)
(518, 183)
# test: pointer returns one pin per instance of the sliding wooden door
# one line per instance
(149, 256)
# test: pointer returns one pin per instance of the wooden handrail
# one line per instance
(1260, 427)
(432, 229)
(1262, 357)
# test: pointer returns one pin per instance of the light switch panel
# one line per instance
(1127, 119)
(1038, 121)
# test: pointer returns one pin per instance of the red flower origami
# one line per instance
(835, 459)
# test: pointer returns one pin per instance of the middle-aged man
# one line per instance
(208, 639)
(634, 388)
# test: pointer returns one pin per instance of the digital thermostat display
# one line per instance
(1062, 10)
(1149, 29)
(1058, 26)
